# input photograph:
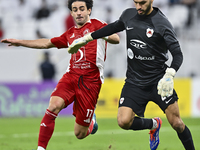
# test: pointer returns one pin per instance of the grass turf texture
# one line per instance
(22, 134)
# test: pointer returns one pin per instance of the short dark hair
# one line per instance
(89, 3)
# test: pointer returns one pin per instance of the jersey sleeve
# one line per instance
(173, 45)
(60, 42)
(109, 29)
(115, 27)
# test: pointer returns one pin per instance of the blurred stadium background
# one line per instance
(22, 90)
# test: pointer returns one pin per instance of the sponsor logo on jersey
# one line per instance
(138, 44)
(130, 53)
(72, 36)
(139, 57)
(144, 57)
(81, 56)
(129, 28)
(149, 32)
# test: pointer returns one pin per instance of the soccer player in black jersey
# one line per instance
(149, 37)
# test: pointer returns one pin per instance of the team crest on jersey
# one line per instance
(149, 32)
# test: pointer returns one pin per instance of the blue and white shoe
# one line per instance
(95, 127)
(154, 135)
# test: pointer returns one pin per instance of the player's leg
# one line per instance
(133, 101)
(83, 131)
(61, 97)
(84, 106)
(173, 116)
(127, 120)
(56, 104)
(80, 131)
(163, 103)
(125, 117)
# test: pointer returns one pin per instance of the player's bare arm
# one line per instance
(113, 39)
(37, 44)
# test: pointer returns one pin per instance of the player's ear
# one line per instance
(71, 12)
(89, 11)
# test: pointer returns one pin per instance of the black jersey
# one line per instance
(149, 37)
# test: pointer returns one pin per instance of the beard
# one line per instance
(147, 10)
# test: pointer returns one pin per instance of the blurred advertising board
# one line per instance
(26, 99)
(32, 99)
(107, 105)
(196, 97)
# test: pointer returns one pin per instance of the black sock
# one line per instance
(141, 123)
(186, 139)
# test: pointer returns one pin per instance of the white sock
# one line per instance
(155, 124)
(40, 148)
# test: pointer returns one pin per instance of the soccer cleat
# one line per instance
(154, 135)
(95, 127)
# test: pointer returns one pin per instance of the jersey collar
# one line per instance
(89, 21)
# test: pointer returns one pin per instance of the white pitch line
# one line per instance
(100, 132)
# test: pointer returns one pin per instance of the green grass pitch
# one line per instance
(22, 134)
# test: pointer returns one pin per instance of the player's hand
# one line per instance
(78, 43)
(11, 42)
(166, 84)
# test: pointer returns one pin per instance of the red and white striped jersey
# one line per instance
(89, 60)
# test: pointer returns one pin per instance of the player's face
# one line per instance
(144, 7)
(80, 13)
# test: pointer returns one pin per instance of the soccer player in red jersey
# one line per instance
(82, 81)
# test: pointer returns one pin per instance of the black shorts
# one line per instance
(137, 98)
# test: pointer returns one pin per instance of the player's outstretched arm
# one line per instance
(78, 43)
(38, 44)
(109, 30)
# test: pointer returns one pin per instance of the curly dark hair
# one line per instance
(89, 3)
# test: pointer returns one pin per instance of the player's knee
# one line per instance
(55, 107)
(124, 123)
(56, 104)
(80, 135)
(178, 125)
